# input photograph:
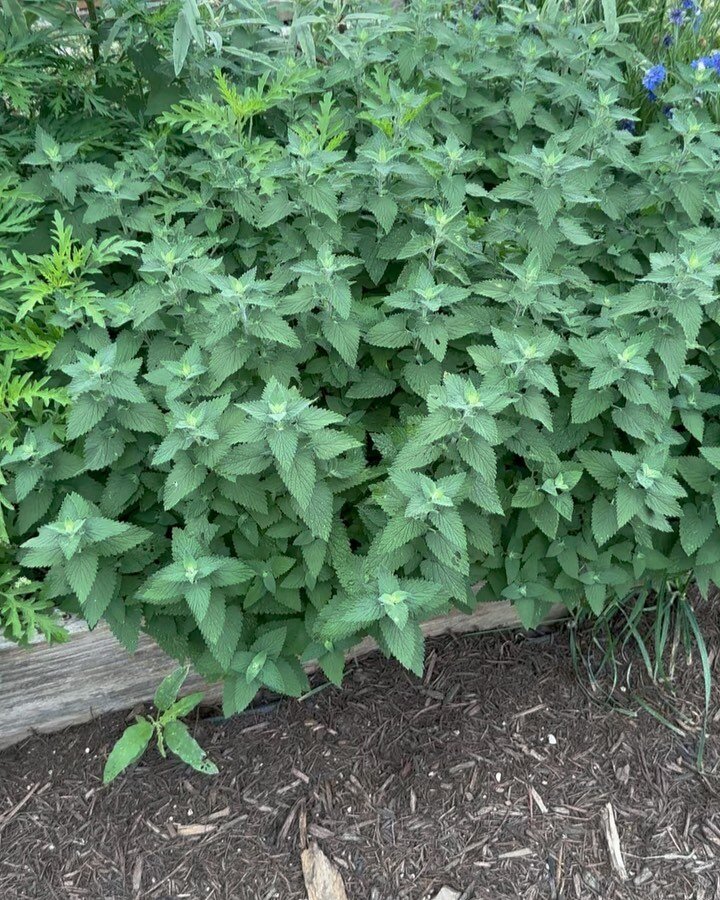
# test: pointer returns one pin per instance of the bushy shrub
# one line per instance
(326, 323)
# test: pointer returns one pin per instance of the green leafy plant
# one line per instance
(169, 732)
(24, 615)
(351, 321)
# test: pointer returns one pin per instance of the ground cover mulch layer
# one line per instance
(489, 776)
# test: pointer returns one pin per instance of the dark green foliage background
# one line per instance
(310, 329)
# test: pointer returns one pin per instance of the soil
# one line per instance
(489, 776)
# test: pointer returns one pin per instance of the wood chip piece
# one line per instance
(219, 814)
(322, 879)
(613, 841)
(137, 875)
(447, 893)
(195, 829)
(538, 801)
(516, 854)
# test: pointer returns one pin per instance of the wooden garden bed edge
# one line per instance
(45, 688)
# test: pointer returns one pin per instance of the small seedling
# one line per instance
(171, 734)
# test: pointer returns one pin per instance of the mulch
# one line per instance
(489, 776)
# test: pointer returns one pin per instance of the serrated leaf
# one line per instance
(85, 413)
(712, 455)
(604, 520)
(81, 572)
(385, 210)
(238, 694)
(185, 477)
(696, 526)
(406, 644)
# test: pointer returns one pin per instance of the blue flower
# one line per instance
(707, 62)
(653, 78)
(627, 125)
(668, 111)
(677, 17)
(668, 40)
(478, 10)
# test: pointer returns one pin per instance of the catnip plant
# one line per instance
(312, 331)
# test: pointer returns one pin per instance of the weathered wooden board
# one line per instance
(48, 687)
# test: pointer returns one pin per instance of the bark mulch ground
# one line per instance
(489, 776)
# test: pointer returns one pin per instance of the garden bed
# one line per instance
(407, 786)
(49, 687)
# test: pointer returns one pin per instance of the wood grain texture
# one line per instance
(45, 687)
(322, 879)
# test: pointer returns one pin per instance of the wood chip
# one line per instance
(516, 854)
(137, 875)
(220, 814)
(302, 826)
(194, 830)
(529, 712)
(319, 832)
(613, 841)
(447, 893)
(322, 879)
(538, 800)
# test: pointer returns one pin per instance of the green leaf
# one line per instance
(182, 35)
(548, 201)
(521, 104)
(696, 526)
(391, 332)
(102, 594)
(628, 503)
(321, 197)
(128, 749)
(406, 644)
(610, 16)
(238, 694)
(81, 572)
(85, 414)
(385, 210)
(168, 689)
(588, 404)
(595, 594)
(344, 617)
(185, 477)
(604, 521)
(182, 707)
(299, 478)
(284, 446)
(343, 337)
(179, 740)
(333, 665)
(198, 599)
(319, 511)
(712, 455)
(212, 623)
(397, 533)
(16, 17)
(270, 642)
